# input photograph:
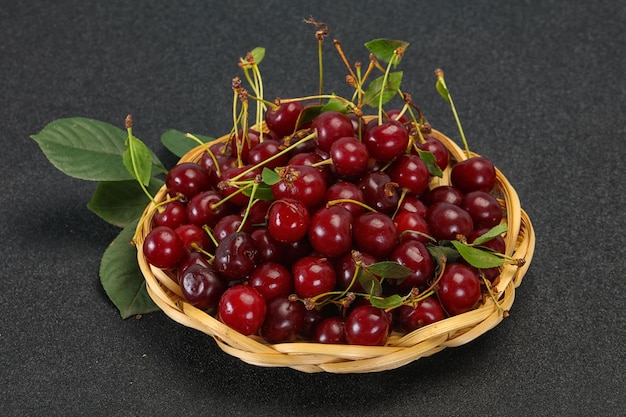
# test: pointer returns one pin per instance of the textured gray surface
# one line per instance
(541, 90)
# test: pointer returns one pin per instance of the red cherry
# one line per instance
(427, 311)
(301, 182)
(243, 309)
(350, 157)
(410, 173)
(330, 231)
(288, 220)
(387, 141)
(313, 275)
(415, 256)
(271, 279)
(283, 320)
(375, 234)
(446, 221)
(368, 326)
(459, 289)
(187, 179)
(331, 330)
(202, 287)
(474, 174)
(484, 209)
(163, 247)
(283, 119)
(330, 126)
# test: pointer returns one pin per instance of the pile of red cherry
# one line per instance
(284, 267)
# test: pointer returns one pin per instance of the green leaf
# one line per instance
(443, 90)
(478, 258)
(383, 49)
(269, 176)
(138, 160)
(336, 105)
(86, 149)
(263, 192)
(121, 277)
(179, 144)
(389, 270)
(369, 282)
(308, 114)
(492, 233)
(121, 202)
(437, 251)
(258, 54)
(372, 94)
(393, 301)
(431, 163)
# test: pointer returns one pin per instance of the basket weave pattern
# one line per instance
(400, 349)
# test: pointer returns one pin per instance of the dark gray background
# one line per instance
(541, 90)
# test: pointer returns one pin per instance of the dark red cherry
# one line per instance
(300, 182)
(474, 174)
(459, 289)
(265, 154)
(163, 247)
(330, 126)
(350, 157)
(206, 208)
(446, 221)
(427, 311)
(414, 255)
(414, 205)
(374, 233)
(410, 225)
(229, 224)
(236, 256)
(344, 190)
(331, 330)
(283, 119)
(241, 144)
(187, 179)
(172, 215)
(313, 275)
(202, 287)
(485, 210)
(271, 279)
(410, 173)
(387, 141)
(444, 194)
(284, 320)
(368, 326)
(330, 231)
(288, 220)
(194, 237)
(243, 309)
(439, 151)
(345, 268)
(380, 192)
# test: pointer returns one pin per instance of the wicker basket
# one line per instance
(400, 349)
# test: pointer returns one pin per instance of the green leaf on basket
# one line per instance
(389, 270)
(478, 258)
(137, 160)
(383, 49)
(121, 277)
(179, 144)
(393, 301)
(372, 94)
(87, 149)
(492, 233)
(121, 202)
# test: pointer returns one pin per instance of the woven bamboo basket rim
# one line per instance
(399, 350)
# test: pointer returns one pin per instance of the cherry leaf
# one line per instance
(269, 176)
(478, 258)
(137, 160)
(369, 282)
(439, 251)
(492, 233)
(443, 90)
(372, 94)
(87, 149)
(308, 114)
(121, 277)
(431, 163)
(389, 270)
(336, 105)
(383, 49)
(393, 301)
(258, 54)
(179, 144)
(120, 202)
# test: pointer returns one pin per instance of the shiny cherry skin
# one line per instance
(344, 190)
(331, 330)
(202, 287)
(408, 318)
(387, 141)
(410, 173)
(271, 279)
(414, 255)
(374, 233)
(411, 225)
(446, 221)
(163, 247)
(284, 320)
(473, 174)
(439, 151)
(459, 289)
(380, 192)
(229, 224)
(350, 157)
(194, 237)
(301, 182)
(282, 120)
(313, 275)
(242, 308)
(483, 208)
(330, 231)
(444, 194)
(368, 326)
(203, 209)
(187, 179)
(288, 220)
(330, 126)
(345, 268)
(172, 215)
(236, 256)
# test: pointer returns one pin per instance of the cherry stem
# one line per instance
(209, 232)
(384, 85)
(348, 200)
(251, 201)
(440, 79)
(197, 248)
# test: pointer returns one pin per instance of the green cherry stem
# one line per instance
(396, 54)
(442, 82)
